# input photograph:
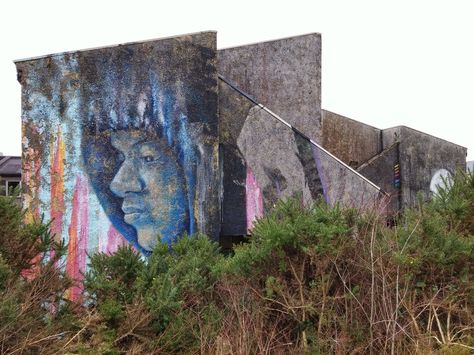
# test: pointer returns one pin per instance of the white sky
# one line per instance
(385, 63)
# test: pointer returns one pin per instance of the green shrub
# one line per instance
(113, 277)
(34, 313)
(172, 291)
(315, 279)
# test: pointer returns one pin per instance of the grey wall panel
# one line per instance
(351, 141)
(284, 75)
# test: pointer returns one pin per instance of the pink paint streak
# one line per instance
(253, 199)
(114, 240)
(57, 185)
(78, 235)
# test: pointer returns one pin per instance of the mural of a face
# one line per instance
(121, 145)
(151, 183)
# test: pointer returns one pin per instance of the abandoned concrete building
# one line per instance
(235, 130)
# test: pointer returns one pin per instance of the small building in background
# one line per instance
(10, 174)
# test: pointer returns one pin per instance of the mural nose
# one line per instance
(126, 180)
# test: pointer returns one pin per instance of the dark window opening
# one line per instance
(11, 187)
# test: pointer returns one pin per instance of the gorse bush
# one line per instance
(455, 200)
(288, 266)
(315, 279)
(289, 229)
(32, 286)
(156, 305)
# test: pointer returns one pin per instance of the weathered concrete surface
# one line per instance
(260, 159)
(351, 141)
(402, 170)
(271, 153)
(383, 170)
(120, 144)
(284, 75)
(233, 110)
(342, 185)
(265, 161)
(74, 102)
(421, 156)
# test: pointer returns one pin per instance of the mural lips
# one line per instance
(132, 213)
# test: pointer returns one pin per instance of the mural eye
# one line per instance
(148, 158)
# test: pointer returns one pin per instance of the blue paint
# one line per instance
(116, 173)
(151, 184)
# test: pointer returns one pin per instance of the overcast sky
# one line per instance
(385, 63)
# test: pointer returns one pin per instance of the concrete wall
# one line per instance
(260, 162)
(422, 158)
(123, 143)
(284, 75)
(384, 170)
(263, 160)
(401, 160)
(233, 110)
(120, 144)
(351, 141)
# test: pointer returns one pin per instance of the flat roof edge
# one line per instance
(269, 41)
(351, 119)
(428, 134)
(16, 61)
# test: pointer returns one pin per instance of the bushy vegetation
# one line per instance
(34, 311)
(313, 280)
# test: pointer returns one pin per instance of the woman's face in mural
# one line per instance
(152, 186)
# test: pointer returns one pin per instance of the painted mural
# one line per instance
(264, 160)
(120, 144)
